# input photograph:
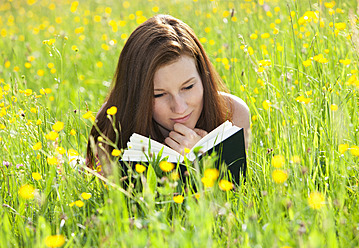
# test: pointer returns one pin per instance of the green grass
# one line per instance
(257, 213)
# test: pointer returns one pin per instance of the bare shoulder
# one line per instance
(240, 114)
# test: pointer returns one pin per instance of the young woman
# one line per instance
(165, 88)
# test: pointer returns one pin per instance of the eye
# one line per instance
(189, 87)
(158, 95)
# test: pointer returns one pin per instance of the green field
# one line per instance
(295, 63)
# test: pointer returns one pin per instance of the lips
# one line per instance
(182, 119)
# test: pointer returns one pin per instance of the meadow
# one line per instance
(295, 63)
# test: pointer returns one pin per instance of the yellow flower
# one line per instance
(178, 199)
(72, 153)
(334, 107)
(33, 110)
(86, 196)
(52, 160)
(253, 36)
(112, 110)
(207, 182)
(225, 185)
(211, 173)
(37, 146)
(307, 63)
(87, 115)
(279, 176)
(278, 161)
(140, 168)
(266, 104)
(38, 122)
(58, 126)
(36, 176)
(175, 176)
(250, 51)
(116, 153)
(55, 240)
(166, 166)
(72, 132)
(316, 200)
(28, 92)
(79, 203)
(340, 25)
(295, 159)
(342, 148)
(27, 191)
(354, 150)
(60, 150)
(52, 135)
(71, 204)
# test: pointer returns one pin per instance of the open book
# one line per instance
(227, 140)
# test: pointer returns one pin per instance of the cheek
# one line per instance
(158, 110)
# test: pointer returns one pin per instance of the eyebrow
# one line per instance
(188, 80)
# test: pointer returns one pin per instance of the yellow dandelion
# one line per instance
(295, 159)
(316, 200)
(86, 196)
(250, 51)
(175, 176)
(187, 150)
(112, 110)
(266, 104)
(79, 203)
(225, 185)
(52, 160)
(307, 63)
(55, 240)
(334, 107)
(28, 92)
(253, 36)
(27, 191)
(354, 150)
(166, 166)
(140, 168)
(58, 126)
(178, 199)
(343, 148)
(52, 135)
(37, 146)
(279, 176)
(87, 115)
(72, 132)
(211, 173)
(278, 161)
(72, 153)
(207, 182)
(60, 150)
(116, 153)
(36, 176)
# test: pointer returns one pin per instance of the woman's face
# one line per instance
(178, 94)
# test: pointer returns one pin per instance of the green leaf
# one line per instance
(151, 179)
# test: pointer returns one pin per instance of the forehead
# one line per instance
(176, 72)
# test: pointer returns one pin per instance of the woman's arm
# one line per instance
(240, 115)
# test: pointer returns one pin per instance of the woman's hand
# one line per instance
(183, 137)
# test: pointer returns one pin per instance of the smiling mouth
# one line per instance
(182, 119)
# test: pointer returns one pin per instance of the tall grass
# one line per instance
(57, 61)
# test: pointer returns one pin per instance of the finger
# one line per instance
(200, 132)
(173, 144)
(179, 138)
(182, 129)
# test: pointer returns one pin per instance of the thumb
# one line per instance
(200, 132)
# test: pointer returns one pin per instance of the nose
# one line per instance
(178, 104)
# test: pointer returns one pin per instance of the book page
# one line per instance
(216, 136)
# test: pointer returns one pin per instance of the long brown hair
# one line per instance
(160, 40)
